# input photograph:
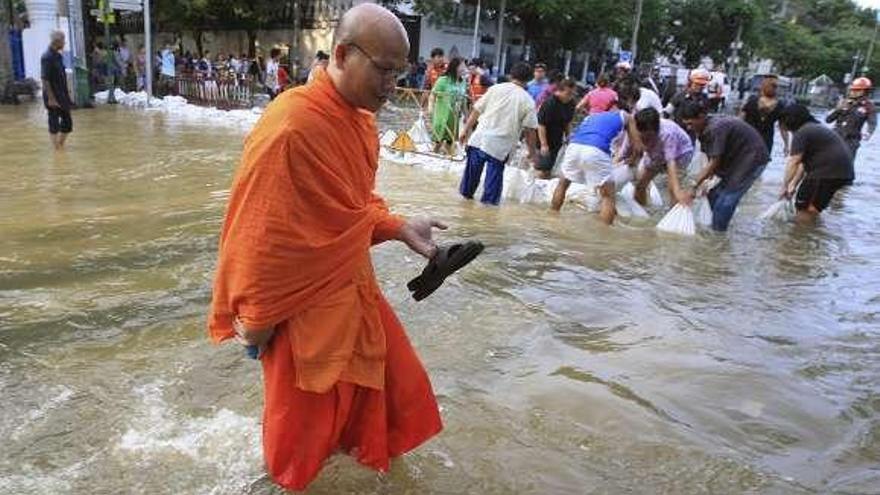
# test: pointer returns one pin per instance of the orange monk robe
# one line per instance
(339, 373)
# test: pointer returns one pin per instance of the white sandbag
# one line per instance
(557, 166)
(655, 199)
(387, 138)
(419, 131)
(702, 212)
(536, 191)
(626, 204)
(679, 220)
(781, 210)
(698, 163)
(515, 180)
(583, 196)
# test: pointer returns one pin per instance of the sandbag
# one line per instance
(555, 172)
(655, 199)
(419, 131)
(515, 180)
(698, 163)
(679, 220)
(626, 204)
(702, 212)
(782, 210)
(537, 191)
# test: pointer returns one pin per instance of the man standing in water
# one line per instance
(737, 155)
(55, 96)
(853, 112)
(504, 112)
(820, 164)
(554, 124)
(294, 275)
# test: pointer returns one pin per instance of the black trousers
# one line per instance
(60, 121)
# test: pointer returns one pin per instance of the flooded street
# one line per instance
(570, 358)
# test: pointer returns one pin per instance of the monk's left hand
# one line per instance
(417, 233)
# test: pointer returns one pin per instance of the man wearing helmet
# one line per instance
(852, 113)
(694, 91)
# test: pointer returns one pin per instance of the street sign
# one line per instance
(625, 56)
(127, 5)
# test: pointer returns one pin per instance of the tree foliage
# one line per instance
(803, 37)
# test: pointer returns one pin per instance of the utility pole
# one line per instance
(855, 65)
(475, 51)
(499, 41)
(148, 57)
(736, 46)
(107, 14)
(867, 63)
(634, 44)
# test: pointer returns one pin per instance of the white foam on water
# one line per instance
(225, 441)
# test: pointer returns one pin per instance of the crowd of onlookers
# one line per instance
(176, 72)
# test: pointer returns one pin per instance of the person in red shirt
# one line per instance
(283, 78)
(479, 81)
(436, 69)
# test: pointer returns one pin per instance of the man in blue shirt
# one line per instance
(55, 96)
(537, 85)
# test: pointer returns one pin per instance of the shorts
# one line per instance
(60, 121)
(818, 192)
(585, 164)
(546, 162)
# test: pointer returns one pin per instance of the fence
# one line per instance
(222, 92)
(425, 123)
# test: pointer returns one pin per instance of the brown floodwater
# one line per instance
(570, 358)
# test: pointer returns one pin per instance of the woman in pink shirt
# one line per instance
(600, 99)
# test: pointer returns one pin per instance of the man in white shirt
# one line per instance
(272, 84)
(504, 112)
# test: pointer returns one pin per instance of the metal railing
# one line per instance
(224, 92)
(410, 114)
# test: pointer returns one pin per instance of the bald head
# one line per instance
(370, 48)
(369, 22)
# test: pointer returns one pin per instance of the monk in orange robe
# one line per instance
(295, 277)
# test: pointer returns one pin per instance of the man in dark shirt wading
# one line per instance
(55, 95)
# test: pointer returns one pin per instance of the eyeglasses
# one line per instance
(387, 73)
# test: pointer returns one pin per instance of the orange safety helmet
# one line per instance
(861, 84)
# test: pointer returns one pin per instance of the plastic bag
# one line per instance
(515, 180)
(419, 131)
(655, 199)
(702, 212)
(626, 204)
(536, 191)
(781, 210)
(698, 163)
(558, 165)
(679, 220)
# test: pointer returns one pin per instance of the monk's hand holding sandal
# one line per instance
(417, 234)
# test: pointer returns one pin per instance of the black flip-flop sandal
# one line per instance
(448, 260)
